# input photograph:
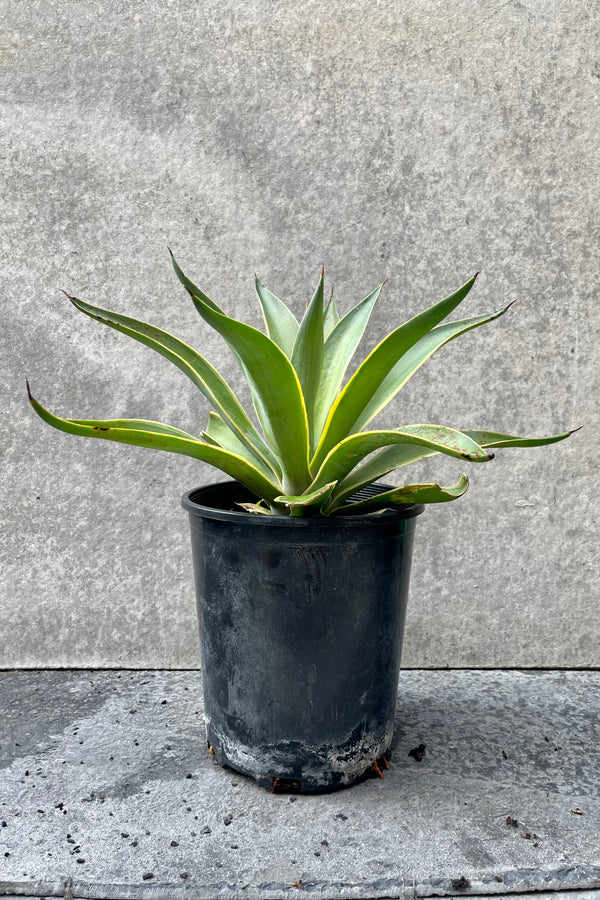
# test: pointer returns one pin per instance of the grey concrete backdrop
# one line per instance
(417, 141)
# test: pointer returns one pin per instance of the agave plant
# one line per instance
(312, 452)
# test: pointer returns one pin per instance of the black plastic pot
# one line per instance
(301, 624)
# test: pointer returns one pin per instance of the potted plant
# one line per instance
(302, 561)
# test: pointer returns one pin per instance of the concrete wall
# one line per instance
(418, 141)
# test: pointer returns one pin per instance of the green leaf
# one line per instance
(156, 436)
(275, 387)
(195, 291)
(198, 370)
(397, 378)
(282, 325)
(391, 458)
(349, 408)
(330, 317)
(307, 355)
(496, 439)
(339, 349)
(209, 440)
(315, 498)
(191, 288)
(409, 493)
(220, 434)
(414, 438)
(414, 358)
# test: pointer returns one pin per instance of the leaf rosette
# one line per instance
(308, 448)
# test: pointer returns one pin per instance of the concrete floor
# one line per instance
(107, 791)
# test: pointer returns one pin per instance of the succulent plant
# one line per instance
(310, 452)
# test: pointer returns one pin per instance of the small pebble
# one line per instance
(147, 875)
(174, 843)
(228, 820)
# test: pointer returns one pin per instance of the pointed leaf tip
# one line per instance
(29, 394)
(170, 251)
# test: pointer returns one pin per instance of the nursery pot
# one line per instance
(301, 623)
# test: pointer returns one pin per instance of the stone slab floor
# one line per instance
(107, 791)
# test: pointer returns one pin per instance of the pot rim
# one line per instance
(205, 510)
